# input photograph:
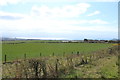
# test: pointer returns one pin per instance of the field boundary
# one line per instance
(52, 67)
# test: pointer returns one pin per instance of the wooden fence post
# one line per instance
(76, 77)
(5, 58)
(25, 56)
(72, 52)
(78, 53)
(53, 54)
(40, 54)
(56, 68)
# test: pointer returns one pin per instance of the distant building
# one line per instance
(65, 41)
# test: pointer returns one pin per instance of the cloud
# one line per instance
(97, 21)
(6, 2)
(83, 22)
(64, 11)
(54, 29)
(94, 13)
(29, 25)
(45, 20)
(11, 16)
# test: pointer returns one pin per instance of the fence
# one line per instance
(49, 67)
(43, 67)
(25, 56)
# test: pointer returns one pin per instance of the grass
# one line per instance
(110, 69)
(101, 64)
(17, 51)
(102, 68)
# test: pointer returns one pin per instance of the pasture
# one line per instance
(33, 49)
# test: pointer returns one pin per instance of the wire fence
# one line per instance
(49, 67)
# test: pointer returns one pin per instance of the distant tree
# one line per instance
(85, 39)
(111, 41)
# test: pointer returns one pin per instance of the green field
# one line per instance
(17, 51)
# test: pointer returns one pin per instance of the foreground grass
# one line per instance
(103, 68)
(17, 51)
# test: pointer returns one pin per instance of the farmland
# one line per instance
(95, 60)
(34, 49)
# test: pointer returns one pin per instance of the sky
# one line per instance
(59, 19)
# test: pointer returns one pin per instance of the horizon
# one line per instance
(33, 38)
(71, 20)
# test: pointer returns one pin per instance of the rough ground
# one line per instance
(106, 67)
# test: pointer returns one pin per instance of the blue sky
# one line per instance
(63, 19)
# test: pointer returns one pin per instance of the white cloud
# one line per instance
(45, 19)
(97, 21)
(91, 22)
(64, 11)
(6, 2)
(30, 25)
(94, 13)
(11, 16)
(41, 27)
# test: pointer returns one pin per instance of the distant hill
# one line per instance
(11, 39)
